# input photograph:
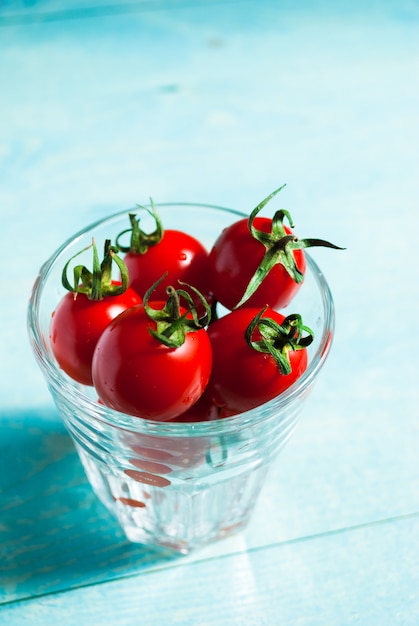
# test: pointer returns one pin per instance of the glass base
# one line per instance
(180, 516)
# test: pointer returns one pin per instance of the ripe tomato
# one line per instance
(178, 254)
(174, 253)
(234, 259)
(135, 373)
(259, 261)
(83, 313)
(244, 377)
(202, 411)
(76, 326)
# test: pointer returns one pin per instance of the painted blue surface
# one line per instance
(102, 106)
(311, 581)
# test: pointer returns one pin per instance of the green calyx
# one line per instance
(279, 245)
(96, 284)
(172, 325)
(279, 339)
(140, 241)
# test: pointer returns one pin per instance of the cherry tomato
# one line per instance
(234, 259)
(76, 326)
(202, 411)
(259, 261)
(243, 377)
(94, 299)
(178, 255)
(172, 253)
(134, 373)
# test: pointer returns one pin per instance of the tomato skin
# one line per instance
(243, 378)
(234, 259)
(136, 374)
(180, 255)
(76, 325)
(202, 411)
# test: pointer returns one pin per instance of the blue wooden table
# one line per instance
(103, 105)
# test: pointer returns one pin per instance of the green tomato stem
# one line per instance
(279, 246)
(140, 241)
(279, 339)
(96, 284)
(172, 326)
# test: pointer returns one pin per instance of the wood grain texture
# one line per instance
(54, 533)
(349, 577)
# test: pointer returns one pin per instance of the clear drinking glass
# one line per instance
(174, 484)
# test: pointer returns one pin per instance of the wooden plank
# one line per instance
(365, 575)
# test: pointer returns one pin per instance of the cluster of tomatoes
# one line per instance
(151, 343)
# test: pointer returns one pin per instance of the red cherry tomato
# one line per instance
(234, 259)
(178, 255)
(259, 261)
(202, 411)
(134, 373)
(243, 378)
(76, 326)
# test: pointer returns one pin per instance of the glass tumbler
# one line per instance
(174, 484)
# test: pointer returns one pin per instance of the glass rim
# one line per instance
(110, 417)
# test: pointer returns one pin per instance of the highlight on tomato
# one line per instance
(154, 360)
(174, 253)
(92, 302)
(259, 260)
(257, 355)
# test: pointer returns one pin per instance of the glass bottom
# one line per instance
(181, 516)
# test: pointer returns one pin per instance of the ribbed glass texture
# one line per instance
(179, 485)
